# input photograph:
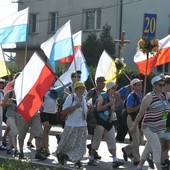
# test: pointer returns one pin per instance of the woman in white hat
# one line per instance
(105, 119)
(153, 110)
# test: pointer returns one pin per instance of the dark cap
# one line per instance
(135, 75)
(76, 72)
(100, 80)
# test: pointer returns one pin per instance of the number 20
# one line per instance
(150, 25)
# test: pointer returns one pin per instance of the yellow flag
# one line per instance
(3, 69)
(106, 68)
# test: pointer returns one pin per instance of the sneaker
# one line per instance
(150, 163)
(9, 151)
(2, 147)
(78, 165)
(15, 153)
(136, 163)
(40, 156)
(29, 144)
(165, 165)
(60, 159)
(125, 157)
(21, 155)
(96, 156)
(117, 164)
(45, 151)
(92, 163)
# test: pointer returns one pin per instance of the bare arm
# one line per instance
(100, 105)
(144, 106)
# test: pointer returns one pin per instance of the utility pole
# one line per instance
(121, 16)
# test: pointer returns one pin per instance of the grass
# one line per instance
(9, 164)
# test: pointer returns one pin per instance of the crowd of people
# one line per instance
(100, 112)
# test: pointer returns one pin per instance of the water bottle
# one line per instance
(164, 115)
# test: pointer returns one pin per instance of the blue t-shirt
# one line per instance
(124, 92)
(131, 101)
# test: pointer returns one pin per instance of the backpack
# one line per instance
(62, 116)
(102, 118)
(5, 107)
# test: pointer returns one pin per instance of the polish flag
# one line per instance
(77, 43)
(161, 57)
(31, 86)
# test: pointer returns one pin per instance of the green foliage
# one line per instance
(106, 40)
(9, 164)
(93, 47)
(91, 50)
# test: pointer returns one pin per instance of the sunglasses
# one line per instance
(76, 76)
(161, 85)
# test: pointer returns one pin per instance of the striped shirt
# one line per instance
(153, 118)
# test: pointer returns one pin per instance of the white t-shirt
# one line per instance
(78, 117)
(49, 104)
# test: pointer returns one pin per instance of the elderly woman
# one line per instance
(73, 140)
(105, 119)
(153, 110)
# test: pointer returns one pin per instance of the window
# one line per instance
(93, 19)
(53, 22)
(34, 25)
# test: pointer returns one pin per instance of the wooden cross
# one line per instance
(122, 42)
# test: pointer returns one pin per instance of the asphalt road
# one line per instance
(104, 164)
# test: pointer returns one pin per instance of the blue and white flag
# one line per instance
(14, 28)
(60, 45)
(80, 64)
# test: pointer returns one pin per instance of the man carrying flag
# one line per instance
(30, 90)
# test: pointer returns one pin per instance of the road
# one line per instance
(104, 164)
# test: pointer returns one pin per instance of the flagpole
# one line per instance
(145, 82)
(5, 64)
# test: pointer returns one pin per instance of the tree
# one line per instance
(90, 49)
(93, 47)
(106, 40)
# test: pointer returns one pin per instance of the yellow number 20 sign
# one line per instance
(149, 25)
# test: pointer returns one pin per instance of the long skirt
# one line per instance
(73, 142)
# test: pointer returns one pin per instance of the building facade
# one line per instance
(46, 16)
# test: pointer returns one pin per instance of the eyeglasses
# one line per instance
(161, 85)
(76, 77)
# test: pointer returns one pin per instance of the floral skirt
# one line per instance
(73, 142)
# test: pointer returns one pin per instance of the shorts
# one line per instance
(34, 124)
(49, 117)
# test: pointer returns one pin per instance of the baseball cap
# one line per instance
(110, 85)
(156, 79)
(134, 81)
(79, 84)
(76, 72)
(100, 80)
(2, 80)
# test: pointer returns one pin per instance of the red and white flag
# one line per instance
(77, 42)
(31, 86)
(161, 57)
